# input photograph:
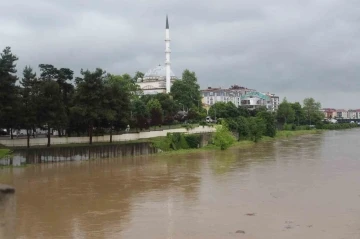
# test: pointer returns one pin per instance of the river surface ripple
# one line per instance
(304, 187)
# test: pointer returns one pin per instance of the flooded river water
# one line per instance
(304, 187)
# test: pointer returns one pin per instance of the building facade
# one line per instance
(240, 96)
(212, 95)
(331, 113)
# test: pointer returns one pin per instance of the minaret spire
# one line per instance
(167, 22)
(167, 56)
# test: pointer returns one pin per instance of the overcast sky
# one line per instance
(293, 48)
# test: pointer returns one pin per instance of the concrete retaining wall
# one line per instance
(106, 138)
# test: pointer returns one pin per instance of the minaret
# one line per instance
(167, 55)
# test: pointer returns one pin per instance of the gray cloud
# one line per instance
(293, 48)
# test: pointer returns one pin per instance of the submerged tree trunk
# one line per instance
(48, 136)
(111, 134)
(28, 138)
(91, 133)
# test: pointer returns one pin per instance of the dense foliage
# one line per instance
(177, 141)
(97, 103)
(223, 138)
(94, 103)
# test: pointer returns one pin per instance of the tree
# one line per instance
(117, 102)
(218, 110)
(155, 110)
(168, 105)
(140, 113)
(137, 75)
(243, 111)
(257, 128)
(9, 94)
(285, 113)
(242, 128)
(312, 111)
(89, 97)
(299, 112)
(232, 110)
(223, 138)
(48, 72)
(188, 84)
(63, 77)
(29, 100)
(270, 123)
(51, 108)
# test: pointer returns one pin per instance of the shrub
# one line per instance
(192, 140)
(288, 127)
(270, 123)
(187, 126)
(223, 138)
(257, 128)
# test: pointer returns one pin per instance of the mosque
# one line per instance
(160, 78)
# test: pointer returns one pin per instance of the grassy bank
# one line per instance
(288, 133)
(4, 153)
(243, 144)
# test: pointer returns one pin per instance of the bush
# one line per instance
(257, 128)
(223, 138)
(192, 140)
(339, 126)
(203, 123)
(270, 123)
(4, 153)
(288, 127)
(187, 126)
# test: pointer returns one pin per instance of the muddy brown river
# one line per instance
(304, 187)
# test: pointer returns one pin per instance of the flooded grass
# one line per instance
(287, 133)
(4, 152)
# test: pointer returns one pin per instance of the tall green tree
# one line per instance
(257, 128)
(89, 98)
(218, 110)
(188, 84)
(51, 108)
(270, 123)
(223, 138)
(168, 105)
(242, 128)
(9, 93)
(285, 113)
(63, 77)
(156, 113)
(299, 112)
(29, 101)
(137, 75)
(117, 102)
(312, 111)
(140, 113)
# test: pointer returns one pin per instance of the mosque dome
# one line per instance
(157, 73)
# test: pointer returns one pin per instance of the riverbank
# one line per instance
(126, 138)
(245, 143)
(174, 144)
(4, 152)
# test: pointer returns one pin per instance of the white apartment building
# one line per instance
(240, 96)
(212, 95)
